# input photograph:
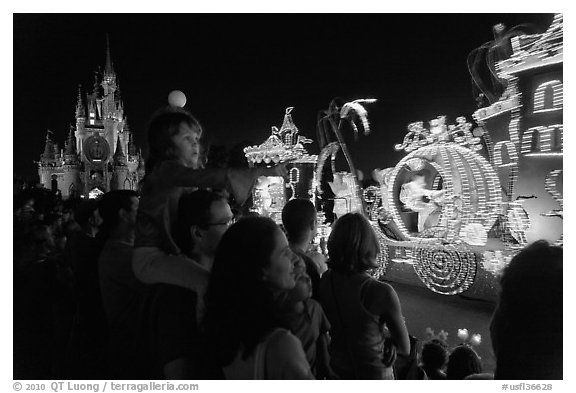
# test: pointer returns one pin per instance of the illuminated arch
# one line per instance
(511, 152)
(549, 96)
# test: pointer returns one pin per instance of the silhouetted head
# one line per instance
(434, 354)
(299, 219)
(352, 245)
(463, 361)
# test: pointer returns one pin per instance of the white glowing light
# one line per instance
(476, 339)
(463, 334)
(177, 98)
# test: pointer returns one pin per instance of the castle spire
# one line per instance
(48, 154)
(131, 146)
(109, 69)
(96, 89)
(80, 109)
(119, 157)
(70, 145)
(118, 96)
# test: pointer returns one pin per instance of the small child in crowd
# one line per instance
(305, 318)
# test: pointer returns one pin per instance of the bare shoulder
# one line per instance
(382, 289)
(283, 341)
(381, 298)
(289, 357)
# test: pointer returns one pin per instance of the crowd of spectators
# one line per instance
(177, 282)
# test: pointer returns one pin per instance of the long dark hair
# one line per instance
(164, 125)
(239, 305)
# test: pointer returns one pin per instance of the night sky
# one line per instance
(240, 71)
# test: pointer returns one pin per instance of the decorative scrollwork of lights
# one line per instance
(383, 258)
(282, 145)
(446, 270)
(419, 136)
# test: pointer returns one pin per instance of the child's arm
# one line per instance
(238, 180)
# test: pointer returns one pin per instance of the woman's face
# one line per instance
(186, 145)
(279, 274)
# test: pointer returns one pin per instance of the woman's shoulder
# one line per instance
(379, 292)
(283, 344)
(280, 337)
(289, 357)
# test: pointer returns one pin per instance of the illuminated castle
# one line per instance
(526, 128)
(99, 154)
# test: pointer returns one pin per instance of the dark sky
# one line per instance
(240, 71)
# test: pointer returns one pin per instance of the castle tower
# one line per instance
(70, 185)
(120, 179)
(47, 163)
(80, 120)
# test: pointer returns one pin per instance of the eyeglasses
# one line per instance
(227, 223)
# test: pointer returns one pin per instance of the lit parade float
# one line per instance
(454, 211)
(272, 192)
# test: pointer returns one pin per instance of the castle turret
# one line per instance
(109, 82)
(47, 163)
(120, 180)
(80, 120)
(80, 109)
(70, 152)
(119, 157)
(132, 151)
(48, 155)
(70, 179)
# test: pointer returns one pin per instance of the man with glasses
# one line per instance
(203, 217)
(173, 313)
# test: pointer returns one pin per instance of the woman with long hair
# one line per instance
(253, 266)
(359, 307)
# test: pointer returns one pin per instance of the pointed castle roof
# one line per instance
(119, 157)
(80, 108)
(48, 154)
(132, 151)
(109, 68)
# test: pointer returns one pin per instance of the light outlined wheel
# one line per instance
(445, 270)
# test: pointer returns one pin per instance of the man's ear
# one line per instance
(122, 214)
(312, 225)
(195, 232)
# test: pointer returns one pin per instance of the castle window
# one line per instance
(558, 139)
(549, 96)
(505, 154)
(543, 140)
